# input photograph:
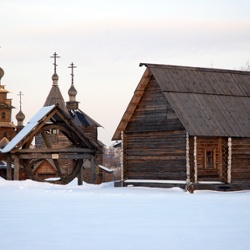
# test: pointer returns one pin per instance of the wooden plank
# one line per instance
(50, 156)
(9, 171)
(16, 168)
(56, 150)
(93, 170)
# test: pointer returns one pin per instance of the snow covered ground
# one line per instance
(45, 216)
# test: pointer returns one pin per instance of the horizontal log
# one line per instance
(54, 155)
(56, 150)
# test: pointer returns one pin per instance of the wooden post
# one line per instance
(122, 174)
(220, 157)
(9, 171)
(187, 159)
(195, 161)
(80, 177)
(93, 170)
(229, 160)
(16, 168)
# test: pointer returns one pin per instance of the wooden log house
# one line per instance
(187, 127)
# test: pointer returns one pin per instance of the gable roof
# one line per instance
(53, 114)
(208, 102)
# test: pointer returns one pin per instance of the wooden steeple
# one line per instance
(55, 96)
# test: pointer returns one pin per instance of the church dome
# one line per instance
(1, 73)
(55, 77)
(20, 116)
(72, 91)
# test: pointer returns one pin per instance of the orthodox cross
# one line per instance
(20, 102)
(55, 56)
(72, 67)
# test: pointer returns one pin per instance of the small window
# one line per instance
(54, 131)
(3, 115)
(210, 160)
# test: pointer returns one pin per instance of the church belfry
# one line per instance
(7, 128)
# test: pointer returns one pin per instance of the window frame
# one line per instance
(212, 164)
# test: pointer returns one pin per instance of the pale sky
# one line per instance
(107, 40)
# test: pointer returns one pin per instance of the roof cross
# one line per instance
(72, 67)
(55, 56)
(20, 102)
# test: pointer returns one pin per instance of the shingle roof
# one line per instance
(57, 116)
(209, 102)
(82, 119)
(55, 97)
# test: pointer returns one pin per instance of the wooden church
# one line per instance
(187, 127)
(66, 142)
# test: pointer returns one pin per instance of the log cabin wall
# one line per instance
(91, 132)
(207, 172)
(191, 158)
(45, 170)
(240, 159)
(154, 140)
(212, 156)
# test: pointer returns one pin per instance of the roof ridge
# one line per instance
(218, 70)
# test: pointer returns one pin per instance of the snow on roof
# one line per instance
(28, 128)
(105, 169)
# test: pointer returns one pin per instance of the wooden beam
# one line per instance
(187, 159)
(57, 166)
(138, 93)
(79, 181)
(195, 161)
(9, 171)
(30, 137)
(46, 140)
(50, 156)
(122, 157)
(93, 170)
(229, 161)
(16, 168)
(67, 179)
(56, 150)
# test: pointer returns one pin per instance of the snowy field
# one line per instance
(45, 216)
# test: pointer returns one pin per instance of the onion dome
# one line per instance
(72, 93)
(1, 74)
(55, 79)
(20, 116)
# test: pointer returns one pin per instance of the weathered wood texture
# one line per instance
(155, 155)
(210, 105)
(218, 171)
(91, 132)
(154, 140)
(153, 113)
(240, 159)
(45, 170)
